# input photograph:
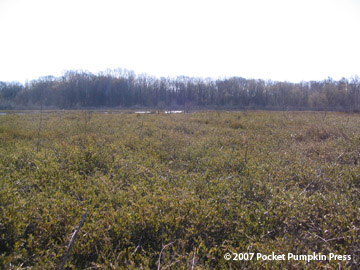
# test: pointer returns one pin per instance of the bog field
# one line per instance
(179, 191)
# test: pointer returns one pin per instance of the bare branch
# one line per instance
(72, 241)
(193, 260)
(159, 264)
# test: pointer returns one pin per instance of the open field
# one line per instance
(178, 191)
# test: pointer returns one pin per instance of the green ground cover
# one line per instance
(178, 191)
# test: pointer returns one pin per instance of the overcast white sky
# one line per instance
(289, 40)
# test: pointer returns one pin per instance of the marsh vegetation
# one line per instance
(176, 191)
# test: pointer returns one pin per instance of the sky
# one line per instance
(281, 40)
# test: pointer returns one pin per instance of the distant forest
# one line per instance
(124, 89)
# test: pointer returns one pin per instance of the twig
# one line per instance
(284, 109)
(72, 241)
(308, 185)
(87, 118)
(159, 265)
(171, 264)
(325, 112)
(193, 260)
(141, 129)
(231, 155)
(39, 129)
(246, 152)
(137, 247)
(340, 156)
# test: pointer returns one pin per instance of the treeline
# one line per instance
(125, 89)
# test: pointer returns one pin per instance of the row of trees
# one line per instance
(125, 89)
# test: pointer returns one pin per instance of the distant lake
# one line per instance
(174, 111)
(143, 112)
(104, 112)
(17, 113)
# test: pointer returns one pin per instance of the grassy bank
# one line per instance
(178, 191)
